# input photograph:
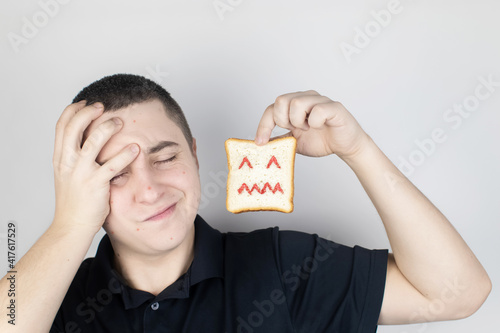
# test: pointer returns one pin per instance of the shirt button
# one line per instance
(155, 306)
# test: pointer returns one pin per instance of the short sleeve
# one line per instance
(331, 287)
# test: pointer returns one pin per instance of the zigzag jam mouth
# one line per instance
(256, 187)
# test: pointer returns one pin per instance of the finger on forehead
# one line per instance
(118, 162)
(70, 132)
(99, 136)
(73, 132)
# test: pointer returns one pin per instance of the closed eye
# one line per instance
(115, 178)
(167, 160)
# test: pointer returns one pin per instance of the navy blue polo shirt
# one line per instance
(262, 281)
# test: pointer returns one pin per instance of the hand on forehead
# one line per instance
(145, 124)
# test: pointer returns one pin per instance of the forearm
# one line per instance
(427, 249)
(43, 277)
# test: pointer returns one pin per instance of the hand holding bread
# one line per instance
(320, 125)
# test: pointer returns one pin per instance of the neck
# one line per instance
(154, 273)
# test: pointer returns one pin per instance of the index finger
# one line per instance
(278, 111)
(266, 126)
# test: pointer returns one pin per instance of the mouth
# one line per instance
(161, 214)
(256, 187)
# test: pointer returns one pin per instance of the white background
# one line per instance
(225, 68)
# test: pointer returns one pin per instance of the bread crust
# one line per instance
(292, 171)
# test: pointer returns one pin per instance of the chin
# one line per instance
(167, 239)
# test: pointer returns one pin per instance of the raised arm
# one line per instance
(432, 274)
(45, 272)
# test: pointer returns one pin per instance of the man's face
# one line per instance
(154, 200)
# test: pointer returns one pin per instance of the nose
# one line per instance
(147, 189)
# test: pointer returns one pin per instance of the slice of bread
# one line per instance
(260, 177)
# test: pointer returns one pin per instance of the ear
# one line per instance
(193, 149)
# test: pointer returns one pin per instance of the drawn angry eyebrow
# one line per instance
(245, 160)
(271, 161)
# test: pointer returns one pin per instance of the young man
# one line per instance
(125, 160)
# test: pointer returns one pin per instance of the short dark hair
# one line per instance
(121, 90)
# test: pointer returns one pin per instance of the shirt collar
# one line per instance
(208, 263)
(208, 259)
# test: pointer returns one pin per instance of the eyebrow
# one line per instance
(160, 146)
(154, 149)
